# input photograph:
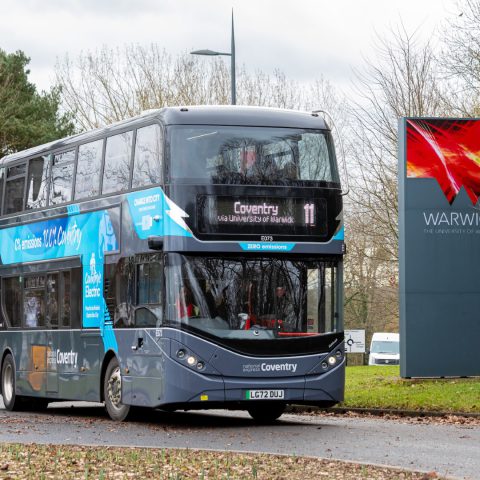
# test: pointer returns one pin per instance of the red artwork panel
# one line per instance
(447, 150)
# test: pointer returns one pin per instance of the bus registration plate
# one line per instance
(265, 394)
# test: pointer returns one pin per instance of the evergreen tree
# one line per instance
(27, 118)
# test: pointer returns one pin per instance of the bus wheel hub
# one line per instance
(115, 387)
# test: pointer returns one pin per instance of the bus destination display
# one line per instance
(297, 216)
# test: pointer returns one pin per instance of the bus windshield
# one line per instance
(251, 298)
(251, 155)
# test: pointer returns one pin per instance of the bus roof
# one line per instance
(189, 115)
(243, 116)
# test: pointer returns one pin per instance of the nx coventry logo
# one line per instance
(270, 367)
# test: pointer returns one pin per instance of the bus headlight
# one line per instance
(187, 358)
(181, 353)
(332, 361)
(338, 354)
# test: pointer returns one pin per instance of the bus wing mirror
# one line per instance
(155, 243)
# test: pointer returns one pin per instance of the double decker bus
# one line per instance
(188, 258)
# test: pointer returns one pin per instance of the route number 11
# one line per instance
(309, 213)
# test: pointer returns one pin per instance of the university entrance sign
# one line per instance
(439, 247)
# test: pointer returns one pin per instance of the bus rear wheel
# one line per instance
(11, 400)
(266, 412)
(112, 392)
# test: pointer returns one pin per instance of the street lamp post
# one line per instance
(230, 54)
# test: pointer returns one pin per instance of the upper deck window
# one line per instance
(147, 167)
(62, 177)
(118, 154)
(14, 189)
(251, 155)
(37, 182)
(87, 183)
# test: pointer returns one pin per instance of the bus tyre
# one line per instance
(112, 392)
(266, 412)
(10, 399)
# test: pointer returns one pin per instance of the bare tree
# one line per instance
(460, 58)
(403, 80)
(108, 85)
(113, 84)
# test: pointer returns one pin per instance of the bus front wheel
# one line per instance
(112, 392)
(266, 412)
(10, 398)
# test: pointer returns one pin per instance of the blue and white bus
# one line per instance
(187, 258)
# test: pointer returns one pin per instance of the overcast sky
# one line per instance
(303, 38)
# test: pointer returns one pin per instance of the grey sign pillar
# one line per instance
(439, 249)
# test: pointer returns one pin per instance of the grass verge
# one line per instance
(71, 462)
(382, 387)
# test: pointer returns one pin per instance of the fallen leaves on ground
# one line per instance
(71, 462)
(421, 418)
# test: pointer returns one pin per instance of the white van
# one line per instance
(384, 349)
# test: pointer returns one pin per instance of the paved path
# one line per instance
(452, 450)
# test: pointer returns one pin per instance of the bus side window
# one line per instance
(34, 301)
(118, 155)
(148, 283)
(12, 300)
(52, 307)
(330, 299)
(65, 294)
(37, 182)
(2, 319)
(123, 286)
(14, 189)
(148, 311)
(75, 303)
(62, 177)
(87, 181)
(3, 323)
(1, 189)
(148, 160)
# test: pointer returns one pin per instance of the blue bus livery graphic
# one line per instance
(340, 235)
(153, 213)
(88, 236)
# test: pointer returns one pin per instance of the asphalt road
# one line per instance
(451, 450)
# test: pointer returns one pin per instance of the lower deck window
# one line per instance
(12, 298)
(149, 281)
(34, 301)
(42, 300)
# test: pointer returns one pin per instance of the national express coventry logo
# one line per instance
(449, 151)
